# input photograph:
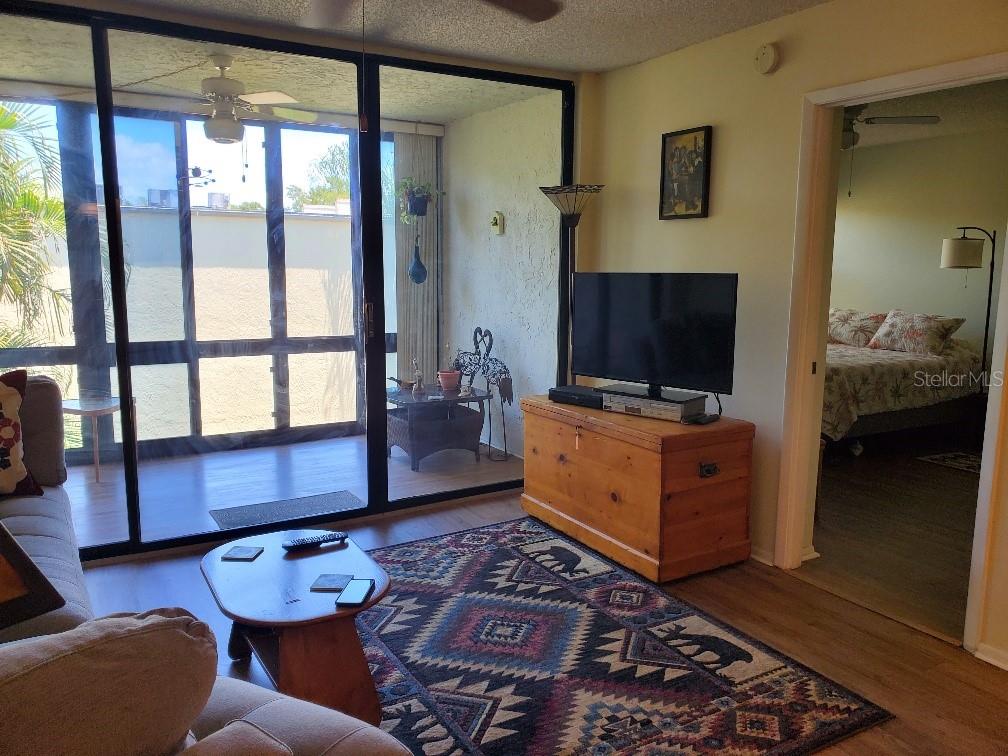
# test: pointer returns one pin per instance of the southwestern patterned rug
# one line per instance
(965, 461)
(513, 639)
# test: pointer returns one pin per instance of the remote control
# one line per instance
(313, 542)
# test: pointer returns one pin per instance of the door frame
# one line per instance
(815, 214)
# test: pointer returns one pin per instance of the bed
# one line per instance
(871, 391)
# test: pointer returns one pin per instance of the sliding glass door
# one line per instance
(471, 245)
(55, 285)
(231, 279)
(237, 170)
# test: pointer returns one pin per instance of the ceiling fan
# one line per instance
(227, 99)
(329, 15)
(852, 118)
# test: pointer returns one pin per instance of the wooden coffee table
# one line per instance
(309, 648)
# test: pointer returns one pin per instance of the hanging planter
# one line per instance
(414, 199)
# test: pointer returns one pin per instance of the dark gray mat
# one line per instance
(286, 509)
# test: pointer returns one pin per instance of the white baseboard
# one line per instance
(764, 556)
(992, 655)
(809, 553)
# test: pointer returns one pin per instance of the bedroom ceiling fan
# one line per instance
(853, 118)
(228, 99)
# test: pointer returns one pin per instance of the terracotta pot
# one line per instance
(449, 379)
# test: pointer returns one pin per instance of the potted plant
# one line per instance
(414, 199)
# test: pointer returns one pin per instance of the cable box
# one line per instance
(675, 411)
(582, 396)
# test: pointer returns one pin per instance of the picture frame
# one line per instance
(685, 174)
(24, 591)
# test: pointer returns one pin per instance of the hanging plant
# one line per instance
(414, 199)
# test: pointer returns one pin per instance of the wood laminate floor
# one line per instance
(895, 534)
(944, 700)
(176, 494)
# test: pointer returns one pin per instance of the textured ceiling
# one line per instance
(587, 35)
(168, 67)
(980, 107)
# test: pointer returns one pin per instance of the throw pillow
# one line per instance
(912, 332)
(122, 684)
(853, 327)
(15, 478)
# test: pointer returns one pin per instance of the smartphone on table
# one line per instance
(355, 593)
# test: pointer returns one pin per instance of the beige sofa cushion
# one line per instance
(246, 719)
(124, 684)
(42, 526)
(42, 427)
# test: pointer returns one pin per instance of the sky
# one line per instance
(145, 149)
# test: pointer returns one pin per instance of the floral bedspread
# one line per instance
(862, 381)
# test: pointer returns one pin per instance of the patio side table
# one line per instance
(93, 408)
(424, 424)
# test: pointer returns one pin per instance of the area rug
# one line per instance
(959, 460)
(513, 639)
(285, 509)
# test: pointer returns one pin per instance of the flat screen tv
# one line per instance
(662, 329)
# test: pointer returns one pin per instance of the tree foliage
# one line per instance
(31, 218)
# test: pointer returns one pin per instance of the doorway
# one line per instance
(797, 542)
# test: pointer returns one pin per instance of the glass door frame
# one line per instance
(366, 204)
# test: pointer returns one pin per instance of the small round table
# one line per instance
(308, 646)
(93, 407)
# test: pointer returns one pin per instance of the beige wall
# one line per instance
(497, 160)
(756, 122)
(906, 198)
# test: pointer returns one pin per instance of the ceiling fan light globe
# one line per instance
(224, 129)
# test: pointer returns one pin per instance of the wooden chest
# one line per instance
(661, 498)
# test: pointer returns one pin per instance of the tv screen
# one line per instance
(664, 329)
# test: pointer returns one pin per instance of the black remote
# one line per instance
(313, 542)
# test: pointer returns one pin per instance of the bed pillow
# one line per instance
(15, 478)
(853, 327)
(915, 333)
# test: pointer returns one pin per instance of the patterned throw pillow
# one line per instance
(853, 327)
(919, 334)
(15, 478)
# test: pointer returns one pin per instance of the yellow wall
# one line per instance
(756, 122)
(906, 198)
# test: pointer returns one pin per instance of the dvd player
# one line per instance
(582, 396)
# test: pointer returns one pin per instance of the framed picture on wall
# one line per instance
(685, 174)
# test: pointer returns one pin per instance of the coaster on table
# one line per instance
(242, 553)
(331, 583)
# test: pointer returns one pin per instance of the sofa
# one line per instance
(139, 683)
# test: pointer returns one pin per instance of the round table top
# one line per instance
(274, 590)
(100, 405)
(406, 398)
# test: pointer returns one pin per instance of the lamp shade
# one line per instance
(962, 253)
(571, 199)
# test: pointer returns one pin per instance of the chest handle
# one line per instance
(709, 469)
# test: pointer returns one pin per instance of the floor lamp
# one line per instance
(570, 200)
(965, 253)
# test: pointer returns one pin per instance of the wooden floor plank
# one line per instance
(944, 700)
(895, 534)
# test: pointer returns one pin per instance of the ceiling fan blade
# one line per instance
(327, 15)
(893, 120)
(534, 10)
(286, 114)
(272, 97)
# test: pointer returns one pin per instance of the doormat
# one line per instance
(959, 460)
(285, 509)
(513, 639)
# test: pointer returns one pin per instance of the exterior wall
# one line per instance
(751, 229)
(497, 160)
(907, 197)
